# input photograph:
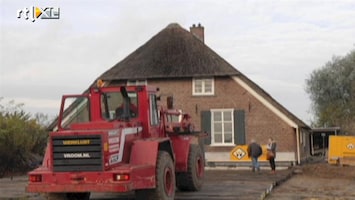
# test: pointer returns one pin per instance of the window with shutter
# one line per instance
(225, 127)
(222, 126)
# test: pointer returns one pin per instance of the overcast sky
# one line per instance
(277, 44)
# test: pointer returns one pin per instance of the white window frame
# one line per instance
(203, 93)
(137, 82)
(213, 143)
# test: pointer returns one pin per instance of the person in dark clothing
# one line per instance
(271, 154)
(254, 152)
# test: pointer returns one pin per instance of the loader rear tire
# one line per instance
(68, 196)
(165, 180)
(192, 180)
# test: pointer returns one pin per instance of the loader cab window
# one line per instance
(76, 110)
(113, 106)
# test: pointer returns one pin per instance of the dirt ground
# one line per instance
(317, 181)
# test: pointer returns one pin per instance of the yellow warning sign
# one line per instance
(240, 153)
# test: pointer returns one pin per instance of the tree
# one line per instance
(332, 92)
(21, 138)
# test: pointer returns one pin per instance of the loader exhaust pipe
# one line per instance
(126, 103)
(170, 102)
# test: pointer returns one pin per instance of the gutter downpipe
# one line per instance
(298, 145)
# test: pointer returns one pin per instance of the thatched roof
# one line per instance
(176, 53)
(172, 53)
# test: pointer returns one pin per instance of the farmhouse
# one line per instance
(221, 100)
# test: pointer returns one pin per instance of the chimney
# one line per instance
(198, 31)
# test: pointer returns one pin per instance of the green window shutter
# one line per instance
(206, 125)
(239, 127)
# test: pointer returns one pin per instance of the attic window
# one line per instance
(202, 86)
(137, 82)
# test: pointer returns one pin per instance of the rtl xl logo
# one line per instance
(34, 13)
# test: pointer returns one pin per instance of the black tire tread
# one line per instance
(188, 181)
(158, 193)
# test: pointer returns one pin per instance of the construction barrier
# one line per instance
(341, 150)
(240, 153)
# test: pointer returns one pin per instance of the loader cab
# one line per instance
(113, 105)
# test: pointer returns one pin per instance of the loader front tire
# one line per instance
(165, 180)
(192, 180)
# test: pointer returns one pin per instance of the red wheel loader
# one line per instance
(117, 139)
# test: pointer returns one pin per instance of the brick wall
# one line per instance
(261, 122)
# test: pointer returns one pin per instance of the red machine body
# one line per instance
(117, 139)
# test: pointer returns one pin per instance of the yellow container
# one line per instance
(341, 149)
